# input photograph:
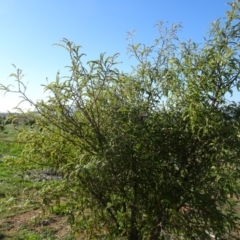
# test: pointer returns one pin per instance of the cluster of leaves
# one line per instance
(149, 155)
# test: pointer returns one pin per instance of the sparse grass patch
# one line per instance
(19, 220)
(26, 234)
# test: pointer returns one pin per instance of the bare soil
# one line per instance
(33, 221)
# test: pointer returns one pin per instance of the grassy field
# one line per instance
(18, 220)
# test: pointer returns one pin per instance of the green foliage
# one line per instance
(149, 155)
(29, 235)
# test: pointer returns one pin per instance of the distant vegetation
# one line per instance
(16, 119)
(152, 154)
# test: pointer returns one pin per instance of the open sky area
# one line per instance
(29, 28)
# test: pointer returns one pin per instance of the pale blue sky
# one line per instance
(28, 28)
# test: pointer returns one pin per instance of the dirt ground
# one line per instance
(33, 221)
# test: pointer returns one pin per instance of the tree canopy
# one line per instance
(152, 154)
